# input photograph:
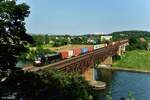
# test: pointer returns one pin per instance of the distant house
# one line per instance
(56, 37)
(106, 38)
(51, 41)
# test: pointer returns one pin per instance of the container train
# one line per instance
(51, 58)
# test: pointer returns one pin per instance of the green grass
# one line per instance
(137, 59)
(47, 46)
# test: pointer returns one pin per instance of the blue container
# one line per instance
(84, 50)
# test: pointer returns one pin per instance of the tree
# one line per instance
(13, 37)
(137, 39)
(47, 84)
(39, 40)
(76, 40)
(46, 39)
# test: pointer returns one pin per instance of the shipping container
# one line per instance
(90, 49)
(84, 50)
(70, 53)
(64, 54)
(103, 45)
(76, 51)
(96, 46)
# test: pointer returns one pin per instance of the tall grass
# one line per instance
(138, 59)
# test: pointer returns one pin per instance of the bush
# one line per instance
(47, 85)
(136, 43)
(31, 54)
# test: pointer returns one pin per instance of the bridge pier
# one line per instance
(122, 49)
(107, 61)
(89, 74)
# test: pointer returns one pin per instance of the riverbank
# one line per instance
(134, 60)
(125, 69)
(121, 83)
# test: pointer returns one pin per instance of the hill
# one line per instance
(131, 34)
(137, 39)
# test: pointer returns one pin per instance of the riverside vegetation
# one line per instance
(138, 54)
(48, 84)
(136, 59)
(45, 85)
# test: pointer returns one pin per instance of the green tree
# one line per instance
(48, 84)
(46, 39)
(136, 43)
(137, 39)
(76, 40)
(13, 37)
(39, 40)
(33, 53)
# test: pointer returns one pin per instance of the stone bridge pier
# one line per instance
(107, 61)
(122, 49)
(89, 73)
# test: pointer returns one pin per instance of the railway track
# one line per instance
(66, 63)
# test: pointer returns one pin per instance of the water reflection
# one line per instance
(21, 64)
(105, 75)
(119, 83)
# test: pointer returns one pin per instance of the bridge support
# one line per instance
(89, 74)
(107, 61)
(122, 49)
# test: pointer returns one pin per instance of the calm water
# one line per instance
(21, 64)
(120, 83)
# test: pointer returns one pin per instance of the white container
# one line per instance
(96, 47)
(70, 53)
(103, 45)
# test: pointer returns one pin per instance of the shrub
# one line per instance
(47, 85)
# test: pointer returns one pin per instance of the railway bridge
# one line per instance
(86, 62)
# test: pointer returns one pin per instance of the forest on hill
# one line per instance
(138, 53)
(137, 39)
(131, 34)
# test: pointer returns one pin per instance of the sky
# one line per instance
(87, 16)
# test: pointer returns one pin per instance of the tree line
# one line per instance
(60, 40)
(137, 39)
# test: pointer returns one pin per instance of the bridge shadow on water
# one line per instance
(105, 76)
(122, 84)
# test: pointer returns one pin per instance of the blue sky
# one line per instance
(87, 16)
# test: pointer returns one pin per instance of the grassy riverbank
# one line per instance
(137, 59)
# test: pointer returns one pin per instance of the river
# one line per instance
(119, 83)
(21, 64)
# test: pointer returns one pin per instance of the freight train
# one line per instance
(51, 58)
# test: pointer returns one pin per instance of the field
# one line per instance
(66, 47)
(137, 59)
